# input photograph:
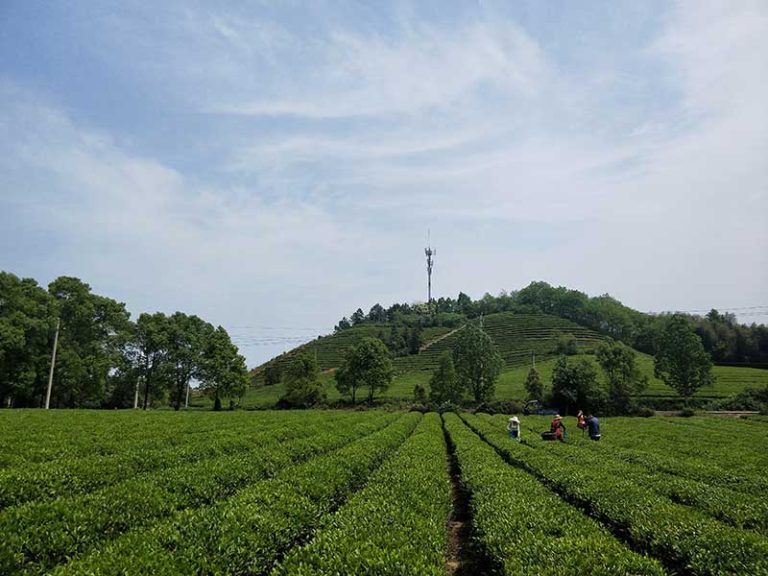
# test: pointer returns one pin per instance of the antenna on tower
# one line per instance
(429, 252)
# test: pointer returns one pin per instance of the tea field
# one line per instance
(343, 492)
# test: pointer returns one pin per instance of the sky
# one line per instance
(272, 166)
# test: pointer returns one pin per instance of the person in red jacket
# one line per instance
(558, 428)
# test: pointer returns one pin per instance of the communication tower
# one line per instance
(429, 252)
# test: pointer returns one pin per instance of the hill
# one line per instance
(517, 337)
(538, 320)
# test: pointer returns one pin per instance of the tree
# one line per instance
(366, 366)
(567, 345)
(533, 385)
(377, 314)
(149, 353)
(358, 317)
(477, 363)
(681, 361)
(414, 339)
(574, 386)
(419, 394)
(444, 385)
(27, 325)
(185, 345)
(624, 378)
(302, 383)
(93, 333)
(223, 372)
(343, 324)
(272, 375)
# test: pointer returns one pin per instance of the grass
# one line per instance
(517, 337)
(510, 385)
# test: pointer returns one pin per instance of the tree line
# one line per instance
(104, 359)
(722, 336)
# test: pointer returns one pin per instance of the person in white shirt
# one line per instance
(513, 427)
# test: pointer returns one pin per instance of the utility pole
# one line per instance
(53, 363)
(136, 394)
(429, 252)
(186, 401)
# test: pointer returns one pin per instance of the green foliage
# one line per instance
(222, 372)
(574, 386)
(366, 366)
(39, 535)
(624, 377)
(681, 361)
(93, 331)
(687, 539)
(302, 383)
(526, 529)
(272, 375)
(249, 532)
(395, 525)
(27, 324)
(419, 394)
(567, 345)
(444, 385)
(749, 399)
(477, 363)
(534, 387)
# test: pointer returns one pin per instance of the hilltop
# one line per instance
(539, 321)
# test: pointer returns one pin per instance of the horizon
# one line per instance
(264, 166)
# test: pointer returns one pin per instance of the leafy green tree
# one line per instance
(377, 314)
(302, 383)
(184, 355)
(223, 372)
(419, 394)
(567, 345)
(358, 317)
(148, 353)
(94, 331)
(624, 378)
(681, 361)
(574, 386)
(444, 385)
(272, 375)
(533, 385)
(27, 325)
(414, 339)
(477, 363)
(366, 366)
(343, 324)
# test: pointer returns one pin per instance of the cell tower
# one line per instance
(429, 252)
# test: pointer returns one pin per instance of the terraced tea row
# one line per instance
(248, 533)
(47, 481)
(36, 536)
(684, 538)
(395, 525)
(524, 528)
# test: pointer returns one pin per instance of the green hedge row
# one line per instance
(47, 481)
(396, 525)
(248, 533)
(682, 537)
(527, 530)
(36, 536)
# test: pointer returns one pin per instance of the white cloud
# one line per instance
(350, 144)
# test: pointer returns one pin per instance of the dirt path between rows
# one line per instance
(462, 559)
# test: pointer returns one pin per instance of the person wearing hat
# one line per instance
(558, 428)
(513, 427)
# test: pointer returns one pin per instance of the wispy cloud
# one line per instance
(325, 145)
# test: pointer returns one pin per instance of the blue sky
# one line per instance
(271, 166)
